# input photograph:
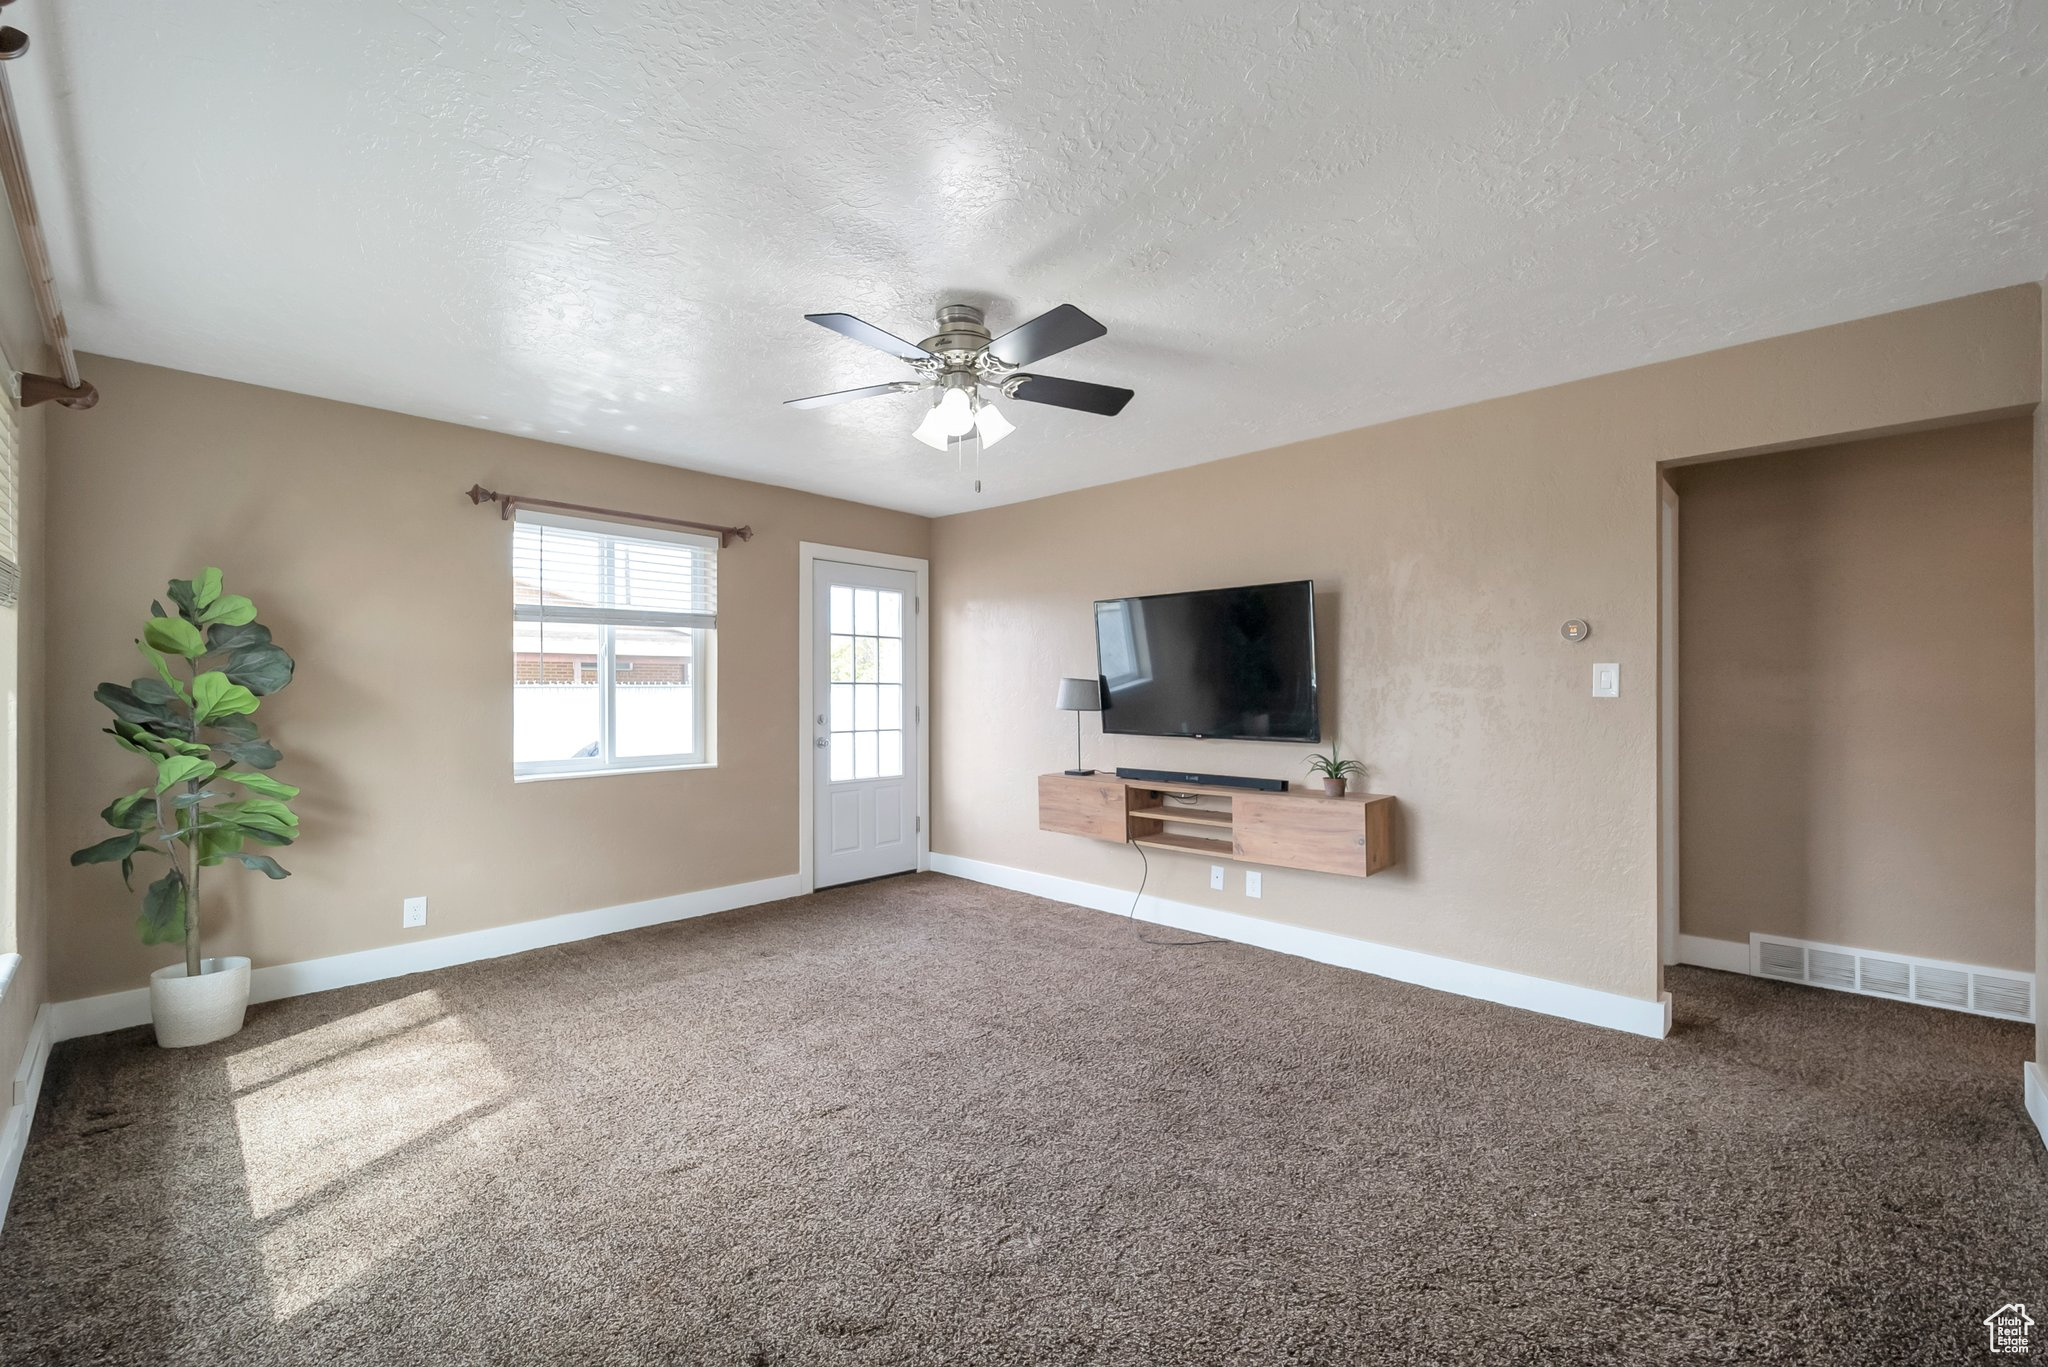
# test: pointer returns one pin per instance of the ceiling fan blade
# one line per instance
(1048, 334)
(1089, 398)
(841, 396)
(846, 325)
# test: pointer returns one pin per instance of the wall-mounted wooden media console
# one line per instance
(1352, 834)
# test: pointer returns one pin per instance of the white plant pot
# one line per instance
(200, 1010)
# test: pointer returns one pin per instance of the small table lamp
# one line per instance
(1078, 696)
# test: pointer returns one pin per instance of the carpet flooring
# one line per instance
(923, 1121)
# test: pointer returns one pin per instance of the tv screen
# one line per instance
(1222, 664)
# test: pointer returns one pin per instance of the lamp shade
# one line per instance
(1080, 695)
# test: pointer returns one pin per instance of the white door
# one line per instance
(864, 726)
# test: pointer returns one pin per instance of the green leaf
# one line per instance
(223, 637)
(128, 874)
(163, 911)
(206, 587)
(114, 847)
(217, 843)
(262, 783)
(215, 695)
(174, 636)
(182, 593)
(130, 706)
(154, 692)
(240, 728)
(156, 609)
(258, 823)
(229, 610)
(268, 837)
(163, 670)
(182, 769)
(127, 744)
(269, 867)
(257, 754)
(131, 813)
(156, 744)
(261, 669)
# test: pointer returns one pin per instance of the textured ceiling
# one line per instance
(601, 221)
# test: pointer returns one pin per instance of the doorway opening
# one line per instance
(1846, 716)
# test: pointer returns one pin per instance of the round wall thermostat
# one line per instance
(1575, 630)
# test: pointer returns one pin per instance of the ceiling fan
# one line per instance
(960, 360)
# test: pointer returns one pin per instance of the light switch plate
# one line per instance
(1216, 877)
(1254, 883)
(1607, 681)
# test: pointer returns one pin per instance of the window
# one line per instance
(867, 683)
(613, 632)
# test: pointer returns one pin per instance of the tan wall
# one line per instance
(350, 529)
(1446, 549)
(1857, 695)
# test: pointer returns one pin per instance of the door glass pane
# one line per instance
(842, 707)
(863, 612)
(842, 659)
(842, 756)
(863, 754)
(842, 610)
(864, 707)
(655, 695)
(555, 692)
(863, 659)
(890, 714)
(891, 664)
(892, 613)
(892, 754)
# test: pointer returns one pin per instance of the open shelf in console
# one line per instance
(1352, 834)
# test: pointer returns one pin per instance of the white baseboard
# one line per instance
(2037, 1097)
(1585, 1004)
(21, 1108)
(120, 1010)
(1730, 956)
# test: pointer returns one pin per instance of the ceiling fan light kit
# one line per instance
(961, 360)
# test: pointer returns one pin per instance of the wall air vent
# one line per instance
(1778, 959)
(1999, 992)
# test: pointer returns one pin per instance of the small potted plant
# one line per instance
(1335, 772)
(193, 724)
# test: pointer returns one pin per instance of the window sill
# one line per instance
(613, 773)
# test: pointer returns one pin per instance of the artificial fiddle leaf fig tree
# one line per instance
(191, 717)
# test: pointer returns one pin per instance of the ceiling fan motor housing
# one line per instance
(962, 335)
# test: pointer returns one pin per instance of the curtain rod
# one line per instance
(506, 502)
(69, 390)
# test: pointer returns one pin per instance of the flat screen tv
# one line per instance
(1221, 664)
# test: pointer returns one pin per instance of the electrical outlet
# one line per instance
(415, 911)
(1216, 877)
(1254, 883)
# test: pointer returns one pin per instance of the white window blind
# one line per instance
(614, 632)
(573, 570)
(10, 507)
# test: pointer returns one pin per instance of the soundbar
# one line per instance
(1263, 785)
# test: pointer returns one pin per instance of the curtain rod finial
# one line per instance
(478, 494)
